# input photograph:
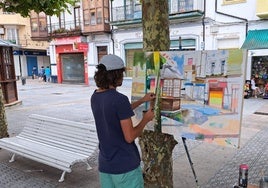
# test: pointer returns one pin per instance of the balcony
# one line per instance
(40, 34)
(179, 10)
(262, 9)
(70, 28)
(124, 13)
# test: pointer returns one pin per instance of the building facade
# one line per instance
(116, 27)
(199, 25)
(29, 54)
(79, 37)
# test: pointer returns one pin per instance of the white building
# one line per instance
(194, 25)
(201, 25)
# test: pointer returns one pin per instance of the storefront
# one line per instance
(259, 69)
(257, 45)
(71, 60)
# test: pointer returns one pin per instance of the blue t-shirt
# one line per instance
(116, 156)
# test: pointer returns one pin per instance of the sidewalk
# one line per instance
(214, 166)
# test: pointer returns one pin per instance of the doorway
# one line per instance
(31, 65)
(73, 69)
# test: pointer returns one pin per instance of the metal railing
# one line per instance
(122, 13)
(68, 26)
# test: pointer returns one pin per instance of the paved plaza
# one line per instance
(215, 166)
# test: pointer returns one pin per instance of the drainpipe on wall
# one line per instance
(204, 27)
(112, 27)
(232, 16)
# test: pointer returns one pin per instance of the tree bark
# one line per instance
(157, 158)
(3, 121)
(156, 146)
(155, 22)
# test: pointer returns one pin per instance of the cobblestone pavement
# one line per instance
(215, 166)
(13, 178)
(254, 154)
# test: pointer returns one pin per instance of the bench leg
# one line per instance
(88, 166)
(62, 176)
(12, 158)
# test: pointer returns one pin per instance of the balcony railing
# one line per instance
(128, 13)
(68, 28)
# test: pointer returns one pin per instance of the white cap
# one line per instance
(112, 62)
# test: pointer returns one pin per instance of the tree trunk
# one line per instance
(3, 121)
(155, 23)
(156, 146)
(157, 158)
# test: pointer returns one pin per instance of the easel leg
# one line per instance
(190, 161)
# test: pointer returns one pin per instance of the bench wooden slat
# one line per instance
(26, 152)
(60, 121)
(61, 126)
(84, 149)
(64, 134)
(51, 151)
(52, 127)
(62, 137)
(54, 142)
(48, 138)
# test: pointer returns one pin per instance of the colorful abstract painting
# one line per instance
(201, 92)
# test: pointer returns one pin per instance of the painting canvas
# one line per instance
(201, 92)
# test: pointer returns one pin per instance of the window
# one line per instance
(92, 18)
(222, 66)
(99, 16)
(213, 68)
(62, 20)
(42, 19)
(77, 21)
(106, 15)
(34, 22)
(176, 6)
(133, 9)
(86, 17)
(34, 25)
(38, 22)
(12, 35)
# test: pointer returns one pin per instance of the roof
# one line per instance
(256, 39)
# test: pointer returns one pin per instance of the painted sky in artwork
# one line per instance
(202, 92)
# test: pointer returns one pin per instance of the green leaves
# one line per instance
(24, 7)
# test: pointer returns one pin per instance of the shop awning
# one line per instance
(256, 39)
(7, 43)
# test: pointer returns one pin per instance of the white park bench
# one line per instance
(55, 142)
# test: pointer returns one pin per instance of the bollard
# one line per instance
(23, 80)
